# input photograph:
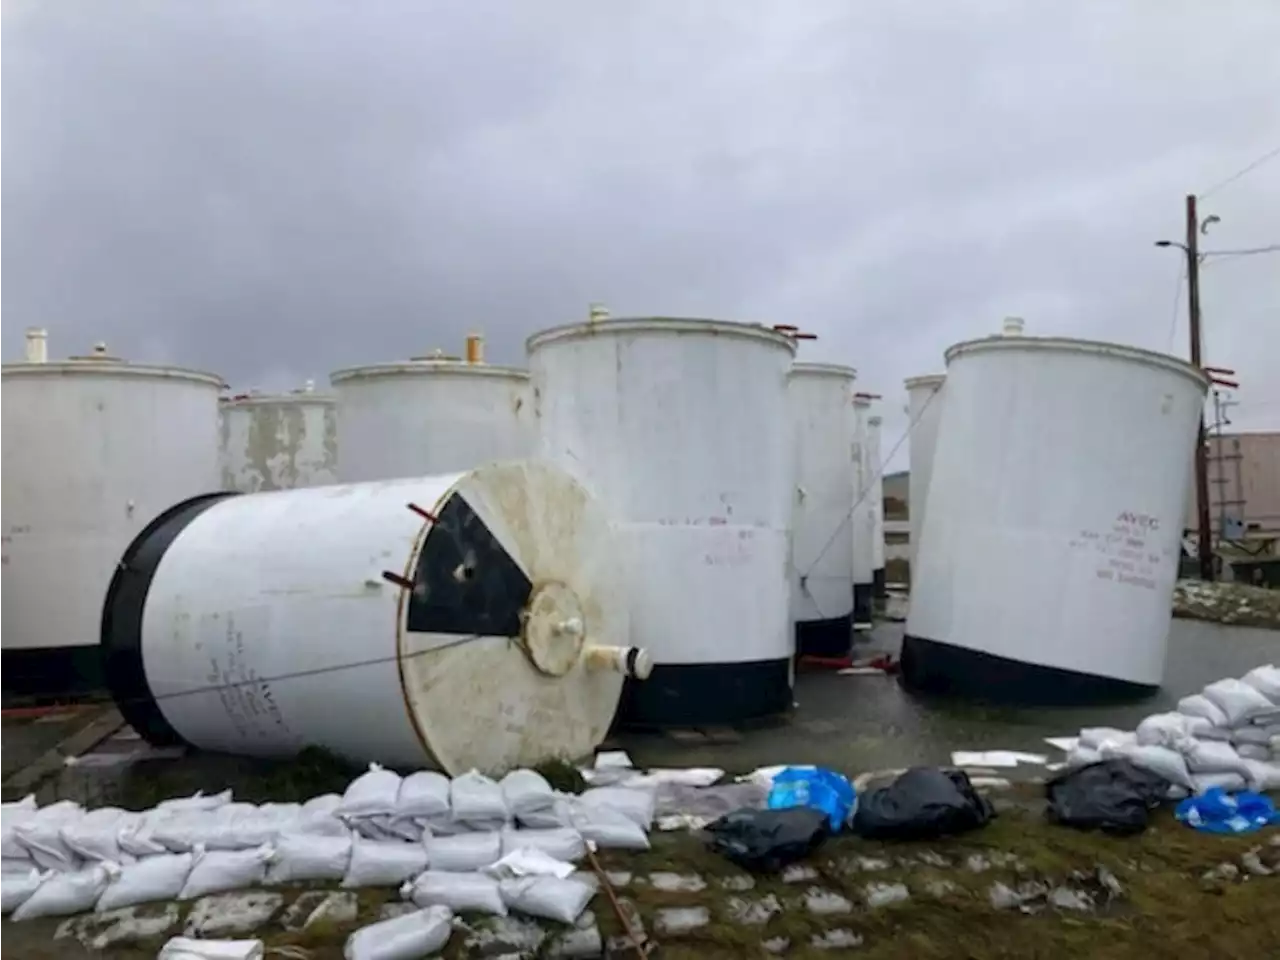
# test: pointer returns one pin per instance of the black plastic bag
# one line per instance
(765, 841)
(922, 804)
(1113, 796)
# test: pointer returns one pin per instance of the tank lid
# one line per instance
(824, 370)
(99, 365)
(430, 366)
(929, 380)
(1013, 327)
(1094, 348)
(686, 325)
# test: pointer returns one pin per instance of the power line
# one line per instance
(1177, 303)
(1269, 155)
(1247, 252)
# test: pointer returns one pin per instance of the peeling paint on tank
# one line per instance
(278, 443)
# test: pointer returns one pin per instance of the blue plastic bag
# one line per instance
(1216, 811)
(816, 788)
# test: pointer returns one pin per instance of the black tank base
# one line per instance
(706, 694)
(47, 675)
(863, 605)
(879, 585)
(943, 669)
(829, 638)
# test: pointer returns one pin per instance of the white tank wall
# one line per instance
(429, 417)
(925, 396)
(93, 451)
(682, 428)
(820, 397)
(278, 443)
(875, 500)
(277, 602)
(862, 523)
(1054, 514)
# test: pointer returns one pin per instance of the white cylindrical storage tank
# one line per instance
(862, 522)
(428, 416)
(820, 396)
(94, 447)
(875, 503)
(924, 407)
(681, 427)
(469, 620)
(278, 442)
(1052, 534)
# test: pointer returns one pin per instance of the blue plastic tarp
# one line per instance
(818, 789)
(1216, 811)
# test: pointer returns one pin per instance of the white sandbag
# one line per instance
(372, 794)
(411, 937)
(1266, 680)
(1260, 734)
(324, 805)
(1209, 732)
(383, 863)
(1253, 751)
(197, 801)
(474, 798)
(215, 871)
(138, 838)
(525, 862)
(297, 857)
(548, 897)
(526, 791)
(1230, 782)
(145, 881)
(96, 835)
(563, 843)
(464, 852)
(1263, 775)
(1162, 761)
(11, 815)
(606, 827)
(1198, 705)
(1214, 756)
(1095, 737)
(1082, 756)
(64, 894)
(1165, 730)
(1239, 701)
(389, 828)
(635, 805)
(423, 794)
(188, 948)
(17, 888)
(460, 892)
(41, 835)
(548, 818)
(445, 826)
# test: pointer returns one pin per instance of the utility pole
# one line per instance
(1205, 552)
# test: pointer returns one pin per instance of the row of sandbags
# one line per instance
(66, 860)
(1226, 736)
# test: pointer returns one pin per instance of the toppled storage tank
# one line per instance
(875, 503)
(469, 620)
(1051, 539)
(94, 447)
(430, 415)
(681, 427)
(862, 522)
(924, 408)
(279, 441)
(821, 398)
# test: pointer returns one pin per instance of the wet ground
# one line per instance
(850, 723)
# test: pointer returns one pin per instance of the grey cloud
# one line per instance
(277, 190)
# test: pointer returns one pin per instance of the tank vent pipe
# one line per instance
(597, 312)
(309, 386)
(37, 345)
(632, 662)
(475, 348)
(1012, 327)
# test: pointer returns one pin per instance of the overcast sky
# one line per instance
(274, 190)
